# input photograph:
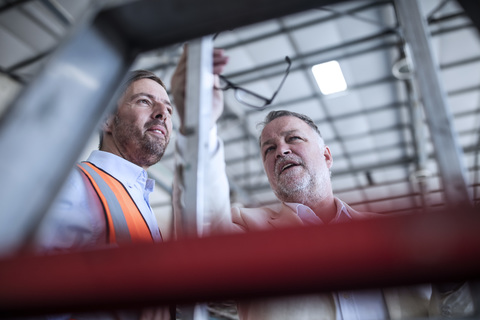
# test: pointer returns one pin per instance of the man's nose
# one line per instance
(283, 150)
(160, 112)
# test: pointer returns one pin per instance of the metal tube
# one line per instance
(198, 103)
(43, 132)
(400, 250)
(447, 149)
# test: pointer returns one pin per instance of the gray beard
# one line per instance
(296, 190)
(307, 189)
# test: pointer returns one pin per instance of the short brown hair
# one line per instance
(133, 76)
(136, 75)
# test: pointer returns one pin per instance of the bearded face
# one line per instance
(299, 182)
(140, 130)
(142, 147)
(296, 160)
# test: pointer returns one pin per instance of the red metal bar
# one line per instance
(390, 251)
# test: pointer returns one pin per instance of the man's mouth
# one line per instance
(286, 166)
(157, 130)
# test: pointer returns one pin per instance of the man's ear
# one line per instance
(107, 124)
(328, 157)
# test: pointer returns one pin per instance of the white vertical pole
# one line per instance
(198, 102)
(197, 123)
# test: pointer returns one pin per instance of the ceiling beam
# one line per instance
(472, 9)
(448, 152)
(327, 53)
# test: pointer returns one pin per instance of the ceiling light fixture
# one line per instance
(329, 77)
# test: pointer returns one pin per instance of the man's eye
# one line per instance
(294, 138)
(144, 101)
(268, 150)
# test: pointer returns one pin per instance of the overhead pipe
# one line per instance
(401, 250)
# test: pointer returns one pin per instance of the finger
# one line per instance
(219, 64)
(183, 58)
(180, 70)
(218, 52)
(223, 60)
(218, 69)
(216, 81)
(219, 57)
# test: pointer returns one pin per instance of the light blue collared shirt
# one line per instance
(350, 305)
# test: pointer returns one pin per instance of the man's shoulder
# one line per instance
(357, 215)
(276, 207)
(76, 190)
(243, 214)
(265, 217)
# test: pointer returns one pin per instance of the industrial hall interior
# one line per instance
(402, 122)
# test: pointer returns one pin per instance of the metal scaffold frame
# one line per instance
(66, 101)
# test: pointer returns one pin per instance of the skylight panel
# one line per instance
(329, 77)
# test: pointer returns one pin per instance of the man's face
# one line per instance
(142, 125)
(295, 159)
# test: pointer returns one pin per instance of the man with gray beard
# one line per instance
(297, 163)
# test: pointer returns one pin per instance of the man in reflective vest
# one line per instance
(105, 201)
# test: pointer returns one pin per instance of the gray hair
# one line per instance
(272, 115)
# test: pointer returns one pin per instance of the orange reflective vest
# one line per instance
(125, 223)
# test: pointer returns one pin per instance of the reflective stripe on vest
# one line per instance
(125, 223)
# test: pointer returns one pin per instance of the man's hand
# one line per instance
(179, 82)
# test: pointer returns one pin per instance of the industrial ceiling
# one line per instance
(379, 162)
(384, 156)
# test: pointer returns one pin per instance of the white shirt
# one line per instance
(350, 305)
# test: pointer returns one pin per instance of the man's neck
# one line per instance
(326, 209)
(117, 152)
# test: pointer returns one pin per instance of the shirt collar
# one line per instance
(123, 170)
(309, 217)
